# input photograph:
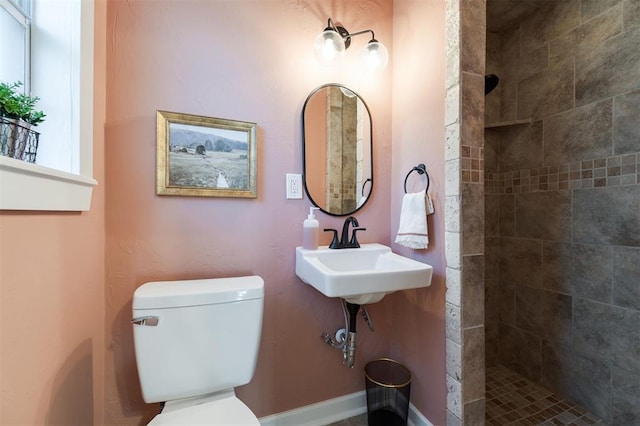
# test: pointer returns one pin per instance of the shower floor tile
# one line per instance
(514, 400)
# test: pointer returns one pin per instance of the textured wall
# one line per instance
(52, 298)
(418, 137)
(563, 204)
(231, 60)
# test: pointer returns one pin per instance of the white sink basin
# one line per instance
(361, 275)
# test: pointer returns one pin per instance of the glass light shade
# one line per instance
(376, 56)
(329, 47)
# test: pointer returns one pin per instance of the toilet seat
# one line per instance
(225, 410)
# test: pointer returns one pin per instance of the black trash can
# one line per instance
(388, 391)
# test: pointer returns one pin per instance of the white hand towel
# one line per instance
(412, 231)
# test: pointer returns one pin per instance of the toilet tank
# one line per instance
(196, 337)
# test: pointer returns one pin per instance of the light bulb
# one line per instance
(329, 47)
(376, 56)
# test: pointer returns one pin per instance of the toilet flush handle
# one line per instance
(149, 320)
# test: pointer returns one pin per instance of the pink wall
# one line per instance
(66, 344)
(52, 299)
(418, 137)
(252, 61)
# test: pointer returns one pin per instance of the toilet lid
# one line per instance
(226, 411)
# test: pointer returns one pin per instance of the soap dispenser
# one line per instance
(310, 231)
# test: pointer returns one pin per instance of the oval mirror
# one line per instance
(337, 150)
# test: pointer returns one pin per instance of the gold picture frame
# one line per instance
(205, 157)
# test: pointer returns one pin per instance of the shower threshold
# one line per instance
(515, 400)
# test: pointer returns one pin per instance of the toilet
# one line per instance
(195, 341)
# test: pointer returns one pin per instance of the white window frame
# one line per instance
(27, 186)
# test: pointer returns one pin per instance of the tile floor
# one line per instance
(514, 400)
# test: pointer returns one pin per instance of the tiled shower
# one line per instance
(562, 199)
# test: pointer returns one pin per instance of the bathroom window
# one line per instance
(58, 68)
(15, 23)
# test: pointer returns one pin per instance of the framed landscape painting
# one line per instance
(205, 157)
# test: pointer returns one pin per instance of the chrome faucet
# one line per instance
(345, 241)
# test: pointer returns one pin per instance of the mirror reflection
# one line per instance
(337, 150)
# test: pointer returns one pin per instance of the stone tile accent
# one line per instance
(472, 164)
(618, 170)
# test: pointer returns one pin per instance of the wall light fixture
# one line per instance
(329, 47)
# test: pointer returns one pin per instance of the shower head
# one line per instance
(490, 83)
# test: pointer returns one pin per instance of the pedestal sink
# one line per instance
(361, 275)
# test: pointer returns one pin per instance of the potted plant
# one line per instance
(18, 115)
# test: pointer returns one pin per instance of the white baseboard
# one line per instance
(333, 410)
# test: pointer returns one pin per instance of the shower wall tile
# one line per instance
(544, 215)
(472, 104)
(593, 221)
(473, 363)
(591, 8)
(507, 215)
(625, 395)
(582, 378)
(473, 291)
(491, 344)
(520, 146)
(491, 150)
(631, 14)
(578, 269)
(608, 69)
(533, 62)
(556, 318)
(491, 258)
(546, 93)
(520, 351)
(549, 23)
(491, 301)
(473, 215)
(507, 303)
(626, 277)
(473, 26)
(579, 134)
(521, 262)
(473, 411)
(562, 264)
(491, 215)
(626, 134)
(587, 36)
(529, 309)
(608, 332)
